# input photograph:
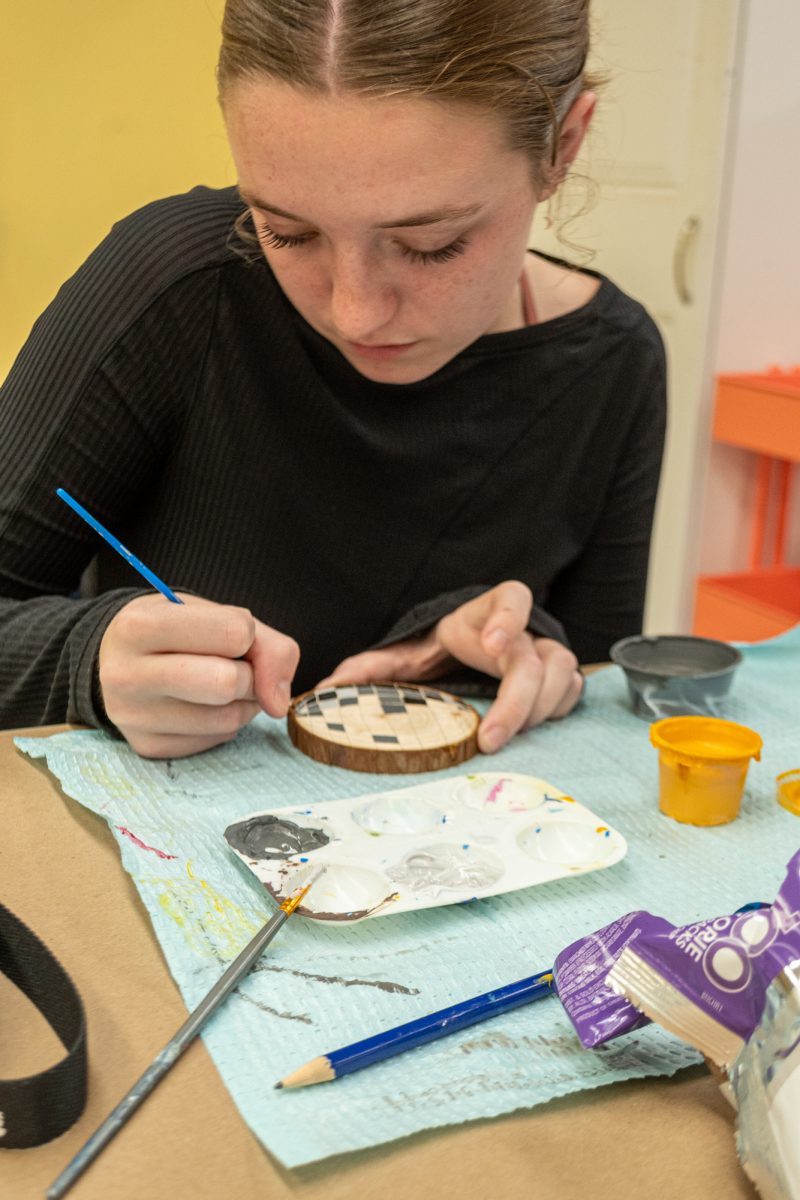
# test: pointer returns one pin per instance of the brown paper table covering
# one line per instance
(60, 873)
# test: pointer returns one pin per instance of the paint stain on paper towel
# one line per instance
(143, 845)
(112, 783)
(212, 925)
(273, 1012)
(385, 985)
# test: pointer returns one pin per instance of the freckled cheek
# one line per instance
(481, 288)
(432, 303)
(306, 287)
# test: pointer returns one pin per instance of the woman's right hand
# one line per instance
(180, 678)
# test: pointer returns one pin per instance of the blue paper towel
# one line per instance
(320, 987)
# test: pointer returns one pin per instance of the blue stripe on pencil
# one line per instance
(418, 1033)
(117, 545)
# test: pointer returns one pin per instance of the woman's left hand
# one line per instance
(539, 678)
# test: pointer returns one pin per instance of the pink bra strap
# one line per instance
(528, 306)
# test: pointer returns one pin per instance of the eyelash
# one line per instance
(444, 254)
(281, 241)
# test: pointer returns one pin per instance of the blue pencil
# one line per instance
(417, 1033)
(115, 544)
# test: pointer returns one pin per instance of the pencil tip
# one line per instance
(278, 1085)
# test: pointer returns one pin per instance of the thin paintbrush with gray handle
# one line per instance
(176, 1045)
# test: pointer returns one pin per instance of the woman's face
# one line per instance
(396, 227)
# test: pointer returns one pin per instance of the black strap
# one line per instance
(40, 1107)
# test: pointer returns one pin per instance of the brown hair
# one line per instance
(524, 59)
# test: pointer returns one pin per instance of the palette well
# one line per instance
(445, 842)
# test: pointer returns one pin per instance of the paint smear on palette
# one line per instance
(265, 837)
(346, 892)
(495, 790)
(435, 868)
(356, 914)
(500, 794)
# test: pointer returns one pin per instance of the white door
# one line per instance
(657, 152)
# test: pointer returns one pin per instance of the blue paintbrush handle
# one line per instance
(117, 545)
(439, 1024)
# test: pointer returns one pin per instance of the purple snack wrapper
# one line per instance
(707, 981)
(721, 966)
(580, 971)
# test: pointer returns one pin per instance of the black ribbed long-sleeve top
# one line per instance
(174, 391)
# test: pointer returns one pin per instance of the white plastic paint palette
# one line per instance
(445, 842)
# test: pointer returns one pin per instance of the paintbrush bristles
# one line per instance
(291, 904)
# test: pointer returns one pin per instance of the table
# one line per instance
(667, 1137)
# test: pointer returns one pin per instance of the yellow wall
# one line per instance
(105, 105)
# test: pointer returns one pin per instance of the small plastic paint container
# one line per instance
(676, 675)
(703, 765)
(789, 791)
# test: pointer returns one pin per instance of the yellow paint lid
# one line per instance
(789, 791)
(706, 739)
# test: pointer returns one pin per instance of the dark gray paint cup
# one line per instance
(676, 675)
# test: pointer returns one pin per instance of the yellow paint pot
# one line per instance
(789, 791)
(703, 764)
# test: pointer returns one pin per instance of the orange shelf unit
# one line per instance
(748, 606)
(759, 413)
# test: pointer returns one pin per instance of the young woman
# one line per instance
(342, 409)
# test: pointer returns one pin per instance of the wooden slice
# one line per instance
(386, 728)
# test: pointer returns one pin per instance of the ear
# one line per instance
(570, 137)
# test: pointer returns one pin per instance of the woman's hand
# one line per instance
(539, 678)
(178, 679)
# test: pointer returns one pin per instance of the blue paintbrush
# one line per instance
(117, 545)
(417, 1033)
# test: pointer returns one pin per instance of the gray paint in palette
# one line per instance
(266, 836)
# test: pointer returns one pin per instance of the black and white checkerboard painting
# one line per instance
(389, 716)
